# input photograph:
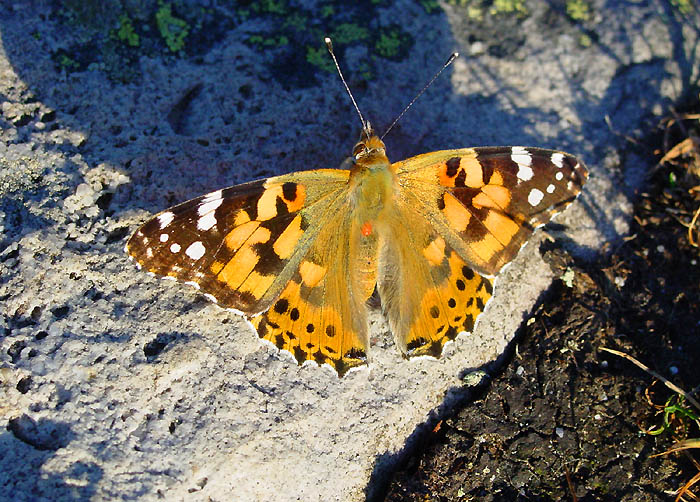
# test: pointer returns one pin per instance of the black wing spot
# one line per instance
(289, 191)
(281, 306)
(451, 333)
(330, 331)
(467, 273)
(310, 328)
(452, 303)
(435, 349)
(460, 284)
(434, 312)
(294, 314)
(355, 353)
(452, 166)
(299, 355)
(416, 344)
(480, 303)
(468, 322)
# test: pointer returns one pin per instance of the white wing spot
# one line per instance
(550, 188)
(206, 222)
(175, 248)
(558, 160)
(524, 160)
(211, 297)
(149, 253)
(193, 284)
(165, 219)
(164, 237)
(195, 250)
(211, 197)
(206, 210)
(559, 176)
(535, 197)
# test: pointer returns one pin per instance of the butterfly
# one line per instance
(300, 254)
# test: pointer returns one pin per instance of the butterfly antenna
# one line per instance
(452, 57)
(329, 44)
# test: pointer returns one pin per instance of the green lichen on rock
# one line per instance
(578, 10)
(173, 29)
(126, 32)
(393, 43)
(508, 7)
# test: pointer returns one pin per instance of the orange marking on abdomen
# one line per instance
(366, 229)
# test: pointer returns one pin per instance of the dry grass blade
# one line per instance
(570, 483)
(680, 446)
(668, 383)
(684, 147)
(685, 489)
(691, 227)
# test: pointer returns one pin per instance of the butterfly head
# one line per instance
(369, 151)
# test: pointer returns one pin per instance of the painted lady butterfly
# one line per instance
(300, 254)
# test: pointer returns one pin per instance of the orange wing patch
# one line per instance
(449, 308)
(311, 332)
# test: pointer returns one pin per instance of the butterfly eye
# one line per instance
(359, 150)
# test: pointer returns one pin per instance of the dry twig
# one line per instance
(653, 373)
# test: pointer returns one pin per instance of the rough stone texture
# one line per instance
(116, 385)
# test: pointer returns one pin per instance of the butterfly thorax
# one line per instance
(372, 181)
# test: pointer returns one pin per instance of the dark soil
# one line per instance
(565, 420)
